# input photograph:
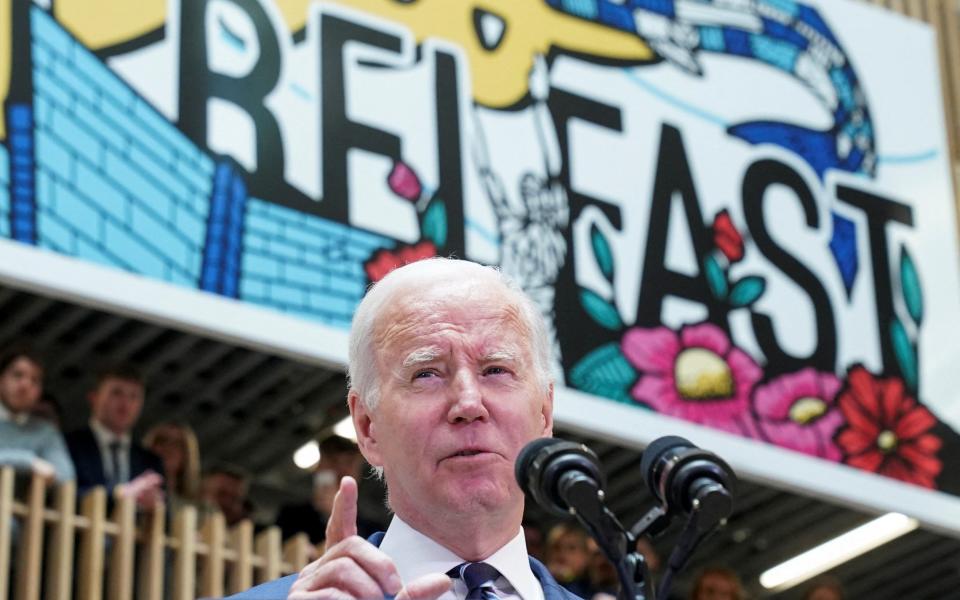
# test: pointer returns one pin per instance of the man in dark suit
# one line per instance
(103, 452)
(449, 379)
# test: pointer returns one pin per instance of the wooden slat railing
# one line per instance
(205, 559)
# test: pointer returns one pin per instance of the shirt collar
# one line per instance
(416, 555)
(105, 437)
(18, 418)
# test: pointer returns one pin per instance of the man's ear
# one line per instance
(546, 412)
(366, 431)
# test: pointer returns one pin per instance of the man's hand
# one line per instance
(146, 489)
(43, 468)
(351, 567)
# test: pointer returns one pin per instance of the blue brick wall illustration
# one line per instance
(4, 192)
(116, 182)
(303, 264)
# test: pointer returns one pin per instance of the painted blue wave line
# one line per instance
(301, 91)
(482, 231)
(677, 102)
(905, 159)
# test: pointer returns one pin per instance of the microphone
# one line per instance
(687, 479)
(555, 473)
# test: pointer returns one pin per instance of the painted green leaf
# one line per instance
(601, 250)
(604, 313)
(434, 226)
(746, 291)
(905, 352)
(604, 372)
(716, 278)
(910, 284)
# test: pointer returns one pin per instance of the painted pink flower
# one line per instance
(695, 374)
(799, 411)
(403, 181)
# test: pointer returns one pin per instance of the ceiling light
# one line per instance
(345, 429)
(307, 455)
(837, 551)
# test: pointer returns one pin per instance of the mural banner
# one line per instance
(736, 216)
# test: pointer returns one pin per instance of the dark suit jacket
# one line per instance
(278, 589)
(89, 465)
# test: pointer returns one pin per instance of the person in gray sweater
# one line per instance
(28, 443)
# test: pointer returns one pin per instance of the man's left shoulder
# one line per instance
(278, 589)
(551, 589)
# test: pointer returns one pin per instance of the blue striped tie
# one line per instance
(479, 578)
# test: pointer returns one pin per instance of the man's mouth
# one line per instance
(468, 453)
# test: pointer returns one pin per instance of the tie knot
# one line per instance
(475, 576)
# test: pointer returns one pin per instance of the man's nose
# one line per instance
(467, 402)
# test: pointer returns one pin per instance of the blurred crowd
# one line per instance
(163, 468)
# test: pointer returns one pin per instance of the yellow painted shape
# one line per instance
(702, 374)
(500, 76)
(6, 58)
(104, 23)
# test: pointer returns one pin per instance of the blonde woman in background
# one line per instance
(176, 445)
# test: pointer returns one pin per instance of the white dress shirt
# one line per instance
(104, 438)
(20, 418)
(416, 555)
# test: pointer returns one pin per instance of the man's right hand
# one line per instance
(146, 489)
(352, 567)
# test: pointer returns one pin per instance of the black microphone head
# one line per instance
(543, 462)
(521, 469)
(680, 474)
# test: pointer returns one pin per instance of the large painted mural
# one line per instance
(736, 213)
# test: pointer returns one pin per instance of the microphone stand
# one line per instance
(585, 499)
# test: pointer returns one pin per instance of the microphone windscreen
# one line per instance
(656, 449)
(521, 468)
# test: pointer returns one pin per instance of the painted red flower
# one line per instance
(383, 261)
(726, 237)
(887, 431)
(403, 181)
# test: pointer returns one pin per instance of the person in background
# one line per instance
(717, 583)
(28, 443)
(176, 445)
(568, 554)
(339, 458)
(825, 587)
(224, 488)
(533, 535)
(104, 453)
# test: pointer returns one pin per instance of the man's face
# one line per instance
(227, 493)
(459, 398)
(116, 404)
(21, 384)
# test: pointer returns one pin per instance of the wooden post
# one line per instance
(60, 553)
(6, 520)
(122, 552)
(296, 552)
(30, 552)
(185, 565)
(241, 576)
(268, 549)
(94, 509)
(152, 557)
(214, 536)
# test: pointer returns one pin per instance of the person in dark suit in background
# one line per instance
(449, 369)
(104, 453)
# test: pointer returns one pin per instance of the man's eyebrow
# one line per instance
(421, 356)
(502, 355)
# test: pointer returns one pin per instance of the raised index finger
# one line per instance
(343, 518)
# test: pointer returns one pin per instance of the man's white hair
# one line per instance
(362, 368)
